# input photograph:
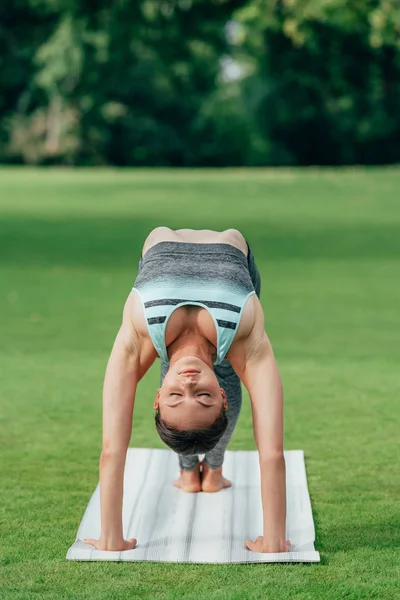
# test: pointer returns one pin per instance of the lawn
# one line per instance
(327, 244)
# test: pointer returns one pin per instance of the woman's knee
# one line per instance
(254, 272)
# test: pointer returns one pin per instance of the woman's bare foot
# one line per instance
(212, 479)
(189, 481)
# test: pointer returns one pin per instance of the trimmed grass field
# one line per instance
(327, 244)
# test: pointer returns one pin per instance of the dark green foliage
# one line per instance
(141, 82)
(334, 100)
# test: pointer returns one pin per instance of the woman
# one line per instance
(195, 305)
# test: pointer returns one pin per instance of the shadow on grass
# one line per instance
(118, 242)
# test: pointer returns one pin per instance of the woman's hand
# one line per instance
(260, 546)
(113, 545)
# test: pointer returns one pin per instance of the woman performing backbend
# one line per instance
(195, 305)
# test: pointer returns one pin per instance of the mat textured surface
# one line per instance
(175, 526)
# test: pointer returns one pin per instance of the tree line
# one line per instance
(199, 82)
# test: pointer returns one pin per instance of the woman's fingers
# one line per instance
(255, 546)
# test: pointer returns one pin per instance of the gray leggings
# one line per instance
(230, 382)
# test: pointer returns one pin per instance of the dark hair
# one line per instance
(192, 441)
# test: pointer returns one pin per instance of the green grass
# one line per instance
(327, 243)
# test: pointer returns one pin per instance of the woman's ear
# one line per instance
(155, 405)
(225, 404)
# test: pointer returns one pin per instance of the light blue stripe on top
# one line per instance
(190, 295)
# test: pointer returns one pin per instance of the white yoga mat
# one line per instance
(175, 526)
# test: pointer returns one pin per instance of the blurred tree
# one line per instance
(200, 82)
(332, 78)
(161, 64)
(23, 26)
(120, 83)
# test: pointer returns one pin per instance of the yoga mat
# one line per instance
(175, 526)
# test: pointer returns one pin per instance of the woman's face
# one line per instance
(190, 400)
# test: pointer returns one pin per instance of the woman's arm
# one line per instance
(262, 380)
(254, 362)
(120, 382)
